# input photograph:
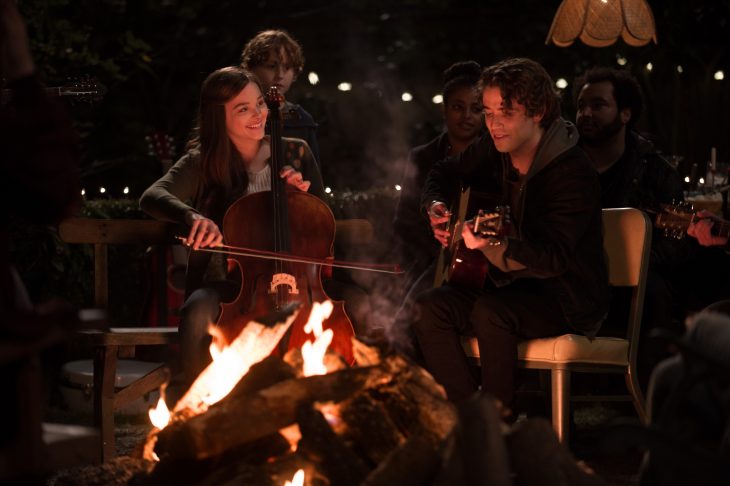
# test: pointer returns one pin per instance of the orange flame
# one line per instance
(313, 351)
(230, 363)
(160, 415)
(297, 480)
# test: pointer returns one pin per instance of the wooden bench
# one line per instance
(120, 342)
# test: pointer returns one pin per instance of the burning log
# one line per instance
(255, 342)
(239, 465)
(323, 447)
(414, 400)
(369, 428)
(240, 418)
(412, 464)
(384, 415)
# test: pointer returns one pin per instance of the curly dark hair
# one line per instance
(626, 89)
(526, 82)
(256, 51)
(460, 74)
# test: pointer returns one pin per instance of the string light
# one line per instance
(649, 66)
(83, 192)
(438, 99)
(344, 86)
(398, 187)
(680, 69)
(406, 96)
(313, 78)
(126, 190)
(621, 61)
(102, 189)
(719, 75)
(686, 179)
(327, 189)
(561, 83)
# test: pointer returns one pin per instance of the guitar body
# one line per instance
(467, 268)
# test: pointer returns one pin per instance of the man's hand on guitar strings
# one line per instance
(486, 237)
(702, 229)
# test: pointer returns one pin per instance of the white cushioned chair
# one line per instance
(626, 241)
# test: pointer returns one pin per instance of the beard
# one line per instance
(593, 134)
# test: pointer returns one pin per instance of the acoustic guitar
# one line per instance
(674, 219)
(83, 88)
(457, 264)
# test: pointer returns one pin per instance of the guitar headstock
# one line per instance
(161, 146)
(82, 88)
(494, 224)
(675, 218)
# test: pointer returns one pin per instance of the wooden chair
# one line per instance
(626, 241)
(111, 344)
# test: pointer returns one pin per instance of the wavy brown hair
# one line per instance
(526, 82)
(256, 51)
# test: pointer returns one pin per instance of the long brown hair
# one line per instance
(222, 166)
(219, 158)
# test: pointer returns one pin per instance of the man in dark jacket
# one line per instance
(547, 276)
(632, 174)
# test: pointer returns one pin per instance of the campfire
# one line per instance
(309, 419)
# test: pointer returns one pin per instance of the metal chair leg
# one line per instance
(637, 397)
(560, 385)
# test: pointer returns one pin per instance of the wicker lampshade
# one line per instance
(600, 23)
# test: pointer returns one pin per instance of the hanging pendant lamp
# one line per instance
(599, 23)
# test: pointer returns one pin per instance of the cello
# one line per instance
(281, 222)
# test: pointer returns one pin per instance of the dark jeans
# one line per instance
(497, 318)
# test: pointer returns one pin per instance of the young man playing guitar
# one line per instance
(548, 276)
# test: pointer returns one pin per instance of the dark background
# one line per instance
(152, 56)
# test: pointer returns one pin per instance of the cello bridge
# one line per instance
(280, 279)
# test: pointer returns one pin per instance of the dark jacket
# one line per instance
(298, 123)
(558, 236)
(643, 179)
(415, 243)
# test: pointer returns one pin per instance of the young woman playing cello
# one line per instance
(228, 157)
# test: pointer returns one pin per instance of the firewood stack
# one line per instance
(384, 422)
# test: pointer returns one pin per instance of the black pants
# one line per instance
(497, 318)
